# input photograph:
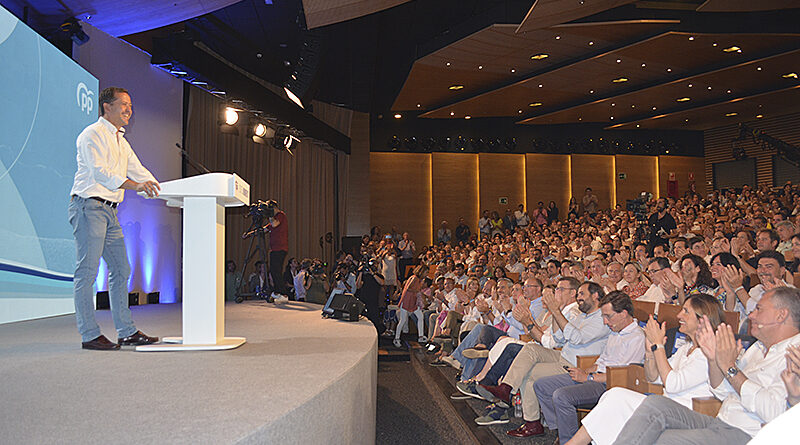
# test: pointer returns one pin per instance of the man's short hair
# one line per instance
(773, 235)
(595, 288)
(108, 96)
(663, 263)
(619, 301)
(789, 298)
(572, 282)
(695, 240)
(681, 239)
(774, 254)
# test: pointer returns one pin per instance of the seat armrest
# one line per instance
(706, 405)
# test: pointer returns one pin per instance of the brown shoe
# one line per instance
(501, 391)
(528, 429)
(137, 339)
(474, 353)
(100, 343)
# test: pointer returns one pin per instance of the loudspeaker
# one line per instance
(346, 307)
(153, 297)
(102, 300)
(133, 299)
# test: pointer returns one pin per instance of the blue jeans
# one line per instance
(98, 233)
(559, 396)
(500, 367)
(483, 334)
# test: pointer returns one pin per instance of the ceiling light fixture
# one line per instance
(637, 125)
(758, 69)
(520, 111)
(730, 114)
(690, 85)
(683, 99)
(448, 64)
(467, 117)
(535, 104)
(452, 113)
(231, 116)
(731, 49)
(558, 37)
(613, 104)
(591, 43)
(619, 60)
(620, 80)
(790, 76)
(293, 97)
(398, 116)
(669, 70)
(419, 105)
(513, 70)
(455, 87)
(480, 67)
(759, 116)
(591, 91)
(691, 37)
(644, 65)
(539, 56)
(540, 85)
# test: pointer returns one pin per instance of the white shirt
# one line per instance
(763, 395)
(522, 218)
(757, 292)
(653, 293)
(779, 430)
(299, 285)
(622, 348)
(105, 161)
(584, 334)
(689, 376)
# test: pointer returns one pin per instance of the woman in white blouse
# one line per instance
(684, 375)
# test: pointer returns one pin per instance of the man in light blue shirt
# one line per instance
(583, 334)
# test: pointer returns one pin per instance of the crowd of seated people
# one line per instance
(537, 312)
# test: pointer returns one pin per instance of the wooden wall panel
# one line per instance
(501, 175)
(357, 204)
(455, 189)
(718, 147)
(400, 193)
(682, 166)
(641, 175)
(547, 177)
(597, 172)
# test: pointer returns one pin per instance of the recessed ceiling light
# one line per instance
(591, 43)
(535, 104)
(714, 44)
(690, 85)
(558, 37)
(467, 117)
(448, 63)
(612, 118)
(691, 37)
(729, 91)
(654, 108)
(731, 49)
(669, 70)
(637, 125)
(520, 111)
(633, 106)
(539, 56)
(619, 60)
(591, 91)
(452, 113)
(790, 76)
(687, 120)
(513, 70)
(730, 114)
(398, 116)
(709, 88)
(456, 87)
(644, 65)
(540, 85)
(667, 152)
(683, 99)
(620, 80)
(580, 118)
(419, 105)
(613, 104)
(759, 116)
(480, 67)
(759, 68)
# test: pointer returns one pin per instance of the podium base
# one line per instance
(176, 344)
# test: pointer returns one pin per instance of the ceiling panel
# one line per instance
(746, 5)
(488, 57)
(545, 13)
(327, 12)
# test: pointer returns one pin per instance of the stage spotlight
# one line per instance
(260, 130)
(293, 97)
(74, 31)
(231, 116)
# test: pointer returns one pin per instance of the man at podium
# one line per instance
(107, 166)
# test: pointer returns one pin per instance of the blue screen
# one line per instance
(46, 99)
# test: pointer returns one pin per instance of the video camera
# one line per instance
(260, 209)
(638, 206)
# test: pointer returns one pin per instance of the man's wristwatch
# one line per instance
(590, 377)
(530, 326)
(731, 372)
(656, 346)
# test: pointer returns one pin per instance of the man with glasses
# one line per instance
(654, 271)
(583, 333)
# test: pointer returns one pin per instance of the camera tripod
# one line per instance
(258, 244)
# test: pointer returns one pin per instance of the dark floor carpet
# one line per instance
(407, 411)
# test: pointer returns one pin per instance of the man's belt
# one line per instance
(112, 204)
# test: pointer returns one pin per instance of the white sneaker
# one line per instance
(280, 298)
(422, 339)
(397, 343)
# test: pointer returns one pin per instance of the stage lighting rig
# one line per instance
(261, 131)
(229, 117)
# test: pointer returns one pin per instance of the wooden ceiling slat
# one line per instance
(545, 13)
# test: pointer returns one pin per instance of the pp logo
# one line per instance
(85, 100)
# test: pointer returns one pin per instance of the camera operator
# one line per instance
(317, 291)
(368, 282)
(302, 280)
(661, 224)
(278, 229)
(344, 278)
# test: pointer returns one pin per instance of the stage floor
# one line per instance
(298, 379)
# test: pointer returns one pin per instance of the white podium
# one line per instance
(203, 198)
